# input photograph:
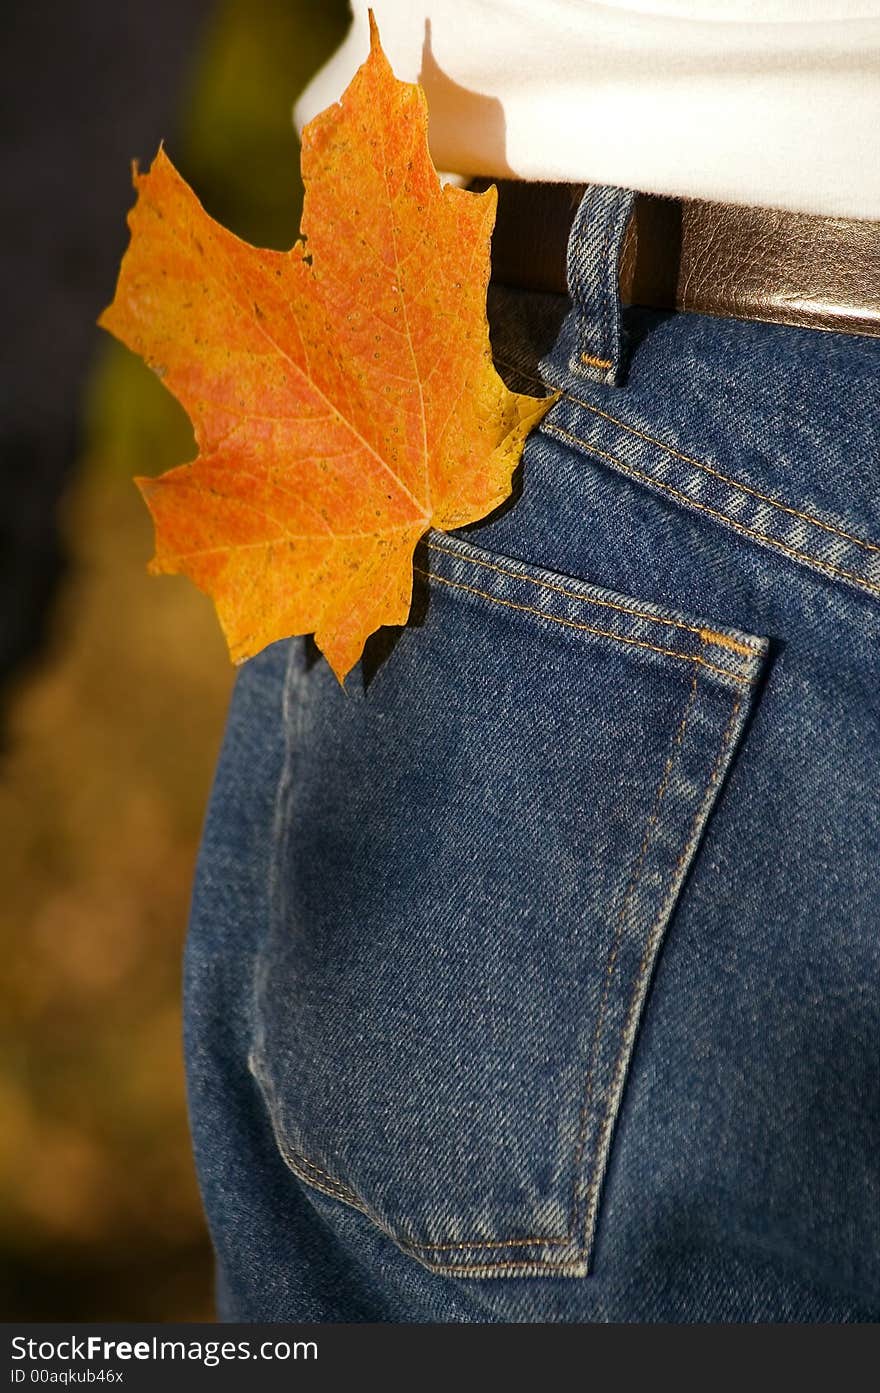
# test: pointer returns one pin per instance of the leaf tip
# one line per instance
(377, 58)
(340, 656)
(339, 668)
(375, 42)
(160, 159)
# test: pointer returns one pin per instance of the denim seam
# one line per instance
(776, 503)
(300, 1166)
(329, 1185)
(726, 478)
(808, 558)
(706, 634)
(533, 1242)
(614, 1089)
(325, 1175)
(491, 1269)
(341, 1194)
(274, 891)
(614, 947)
(588, 628)
(335, 1190)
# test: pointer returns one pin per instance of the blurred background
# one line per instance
(113, 685)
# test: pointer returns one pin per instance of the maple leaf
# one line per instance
(343, 394)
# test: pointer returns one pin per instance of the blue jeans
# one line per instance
(535, 976)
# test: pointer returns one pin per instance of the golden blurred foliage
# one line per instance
(104, 782)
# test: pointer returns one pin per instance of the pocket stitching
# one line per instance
(706, 634)
(589, 628)
(616, 941)
(335, 1190)
(591, 1195)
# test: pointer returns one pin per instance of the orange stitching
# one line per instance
(340, 1193)
(716, 473)
(295, 1158)
(312, 1166)
(488, 1269)
(700, 464)
(615, 945)
(490, 1243)
(713, 512)
(587, 628)
(336, 1191)
(334, 1194)
(306, 1162)
(328, 1190)
(593, 1189)
(592, 362)
(707, 635)
(710, 636)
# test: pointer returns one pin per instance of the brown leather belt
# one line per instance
(713, 258)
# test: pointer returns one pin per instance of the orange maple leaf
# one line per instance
(343, 394)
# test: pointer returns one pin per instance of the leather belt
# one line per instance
(712, 258)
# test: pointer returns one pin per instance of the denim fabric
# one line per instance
(534, 977)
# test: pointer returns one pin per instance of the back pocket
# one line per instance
(479, 845)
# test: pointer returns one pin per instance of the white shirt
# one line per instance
(773, 102)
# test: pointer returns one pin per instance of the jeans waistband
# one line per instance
(713, 258)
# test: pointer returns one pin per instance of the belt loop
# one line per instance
(595, 244)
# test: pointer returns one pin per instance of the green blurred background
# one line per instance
(110, 741)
